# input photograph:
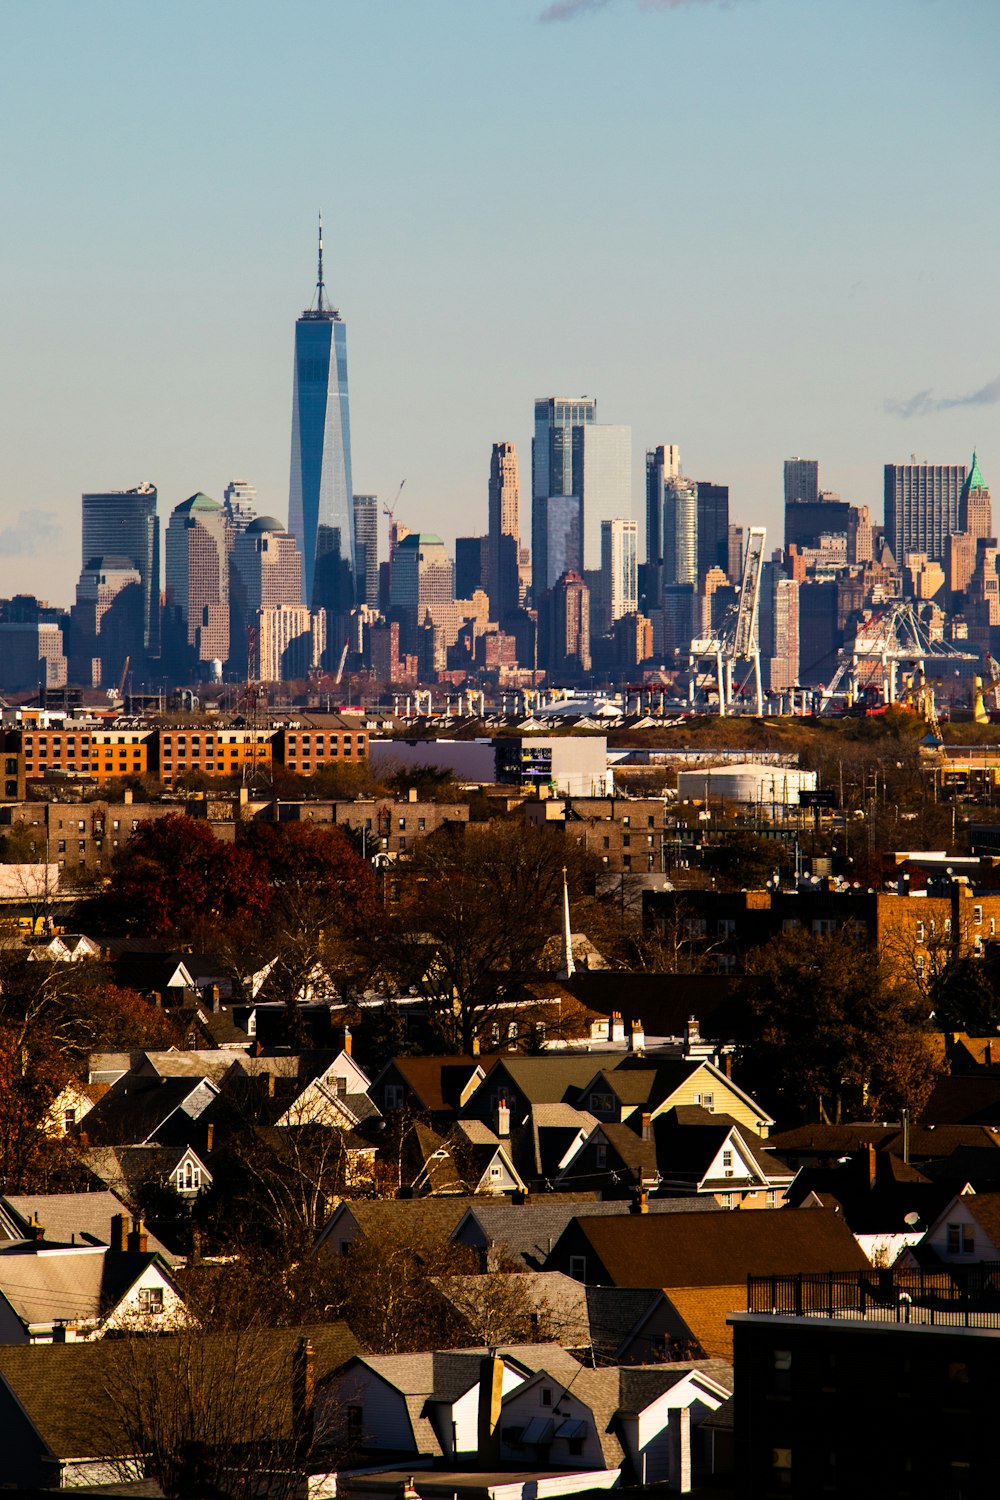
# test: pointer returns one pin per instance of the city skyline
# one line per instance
(819, 309)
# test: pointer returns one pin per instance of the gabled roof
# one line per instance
(717, 1249)
(436, 1082)
(128, 1169)
(410, 1219)
(62, 1215)
(529, 1231)
(689, 1139)
(45, 1284)
(137, 1109)
(614, 1312)
(60, 1386)
(542, 1080)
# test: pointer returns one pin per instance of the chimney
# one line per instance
(637, 1038)
(36, 1230)
(641, 1202)
(490, 1401)
(503, 1118)
(210, 1137)
(127, 797)
(119, 1232)
(413, 794)
(268, 1084)
(303, 1391)
(617, 1027)
(988, 1054)
(475, 1046)
(348, 1040)
(138, 1240)
(647, 1126)
(693, 1034)
(728, 1065)
(213, 995)
(871, 1165)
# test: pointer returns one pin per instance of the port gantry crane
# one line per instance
(893, 638)
(736, 641)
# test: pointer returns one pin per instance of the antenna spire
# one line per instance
(319, 266)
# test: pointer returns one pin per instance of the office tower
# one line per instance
(123, 523)
(736, 541)
(422, 586)
(471, 560)
(676, 622)
(619, 569)
(106, 622)
(923, 504)
(366, 549)
(602, 479)
(975, 507)
(265, 572)
(715, 593)
(713, 526)
(197, 622)
(633, 641)
(680, 531)
(564, 628)
(859, 535)
(801, 481)
(320, 492)
(779, 629)
(555, 528)
(283, 643)
(662, 463)
(239, 501)
(32, 655)
(820, 636)
(503, 583)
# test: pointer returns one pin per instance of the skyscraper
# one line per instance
(602, 478)
(504, 530)
(123, 523)
(106, 622)
(320, 492)
(975, 505)
(713, 526)
(366, 549)
(265, 573)
(556, 527)
(197, 583)
(680, 531)
(923, 504)
(619, 563)
(801, 481)
(239, 501)
(422, 585)
(662, 463)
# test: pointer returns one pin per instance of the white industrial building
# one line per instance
(750, 782)
(574, 765)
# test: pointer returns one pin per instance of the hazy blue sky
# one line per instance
(755, 229)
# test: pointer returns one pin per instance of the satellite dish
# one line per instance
(911, 1219)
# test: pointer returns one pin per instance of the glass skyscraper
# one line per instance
(320, 492)
(124, 523)
(556, 514)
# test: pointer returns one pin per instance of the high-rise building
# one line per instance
(564, 628)
(680, 531)
(504, 531)
(282, 643)
(975, 506)
(471, 565)
(422, 585)
(123, 523)
(859, 535)
(779, 629)
(619, 569)
(736, 542)
(923, 506)
(713, 526)
(662, 463)
(265, 573)
(602, 478)
(239, 501)
(106, 622)
(801, 481)
(320, 492)
(366, 549)
(552, 479)
(197, 584)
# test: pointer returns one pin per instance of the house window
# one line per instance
(919, 934)
(726, 1199)
(546, 1395)
(355, 1423)
(790, 924)
(961, 1239)
(707, 1101)
(727, 927)
(578, 1267)
(188, 1177)
(727, 1163)
(824, 927)
(69, 1118)
(496, 1173)
(393, 1094)
(151, 1299)
(772, 1198)
(600, 1154)
(977, 915)
(602, 1104)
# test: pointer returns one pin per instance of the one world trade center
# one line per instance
(320, 502)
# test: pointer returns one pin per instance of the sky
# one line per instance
(755, 228)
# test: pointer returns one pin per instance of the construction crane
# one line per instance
(737, 640)
(121, 683)
(390, 510)
(994, 687)
(340, 668)
(892, 638)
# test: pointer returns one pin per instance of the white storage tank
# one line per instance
(749, 781)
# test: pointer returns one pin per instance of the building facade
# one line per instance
(619, 569)
(680, 531)
(923, 506)
(366, 549)
(124, 523)
(197, 592)
(504, 535)
(555, 505)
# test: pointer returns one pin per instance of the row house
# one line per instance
(628, 835)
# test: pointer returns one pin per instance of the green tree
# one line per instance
(834, 1032)
(965, 995)
(745, 859)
